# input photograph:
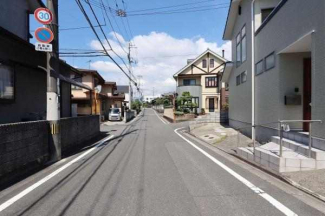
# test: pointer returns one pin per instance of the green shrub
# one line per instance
(179, 113)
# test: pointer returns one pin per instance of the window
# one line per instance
(195, 100)
(259, 67)
(189, 82)
(238, 50)
(211, 63)
(241, 53)
(204, 63)
(211, 82)
(270, 62)
(266, 13)
(243, 77)
(238, 80)
(6, 83)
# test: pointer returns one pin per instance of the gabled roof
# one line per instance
(231, 19)
(95, 73)
(200, 56)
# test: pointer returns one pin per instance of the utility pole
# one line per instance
(130, 84)
(153, 92)
(130, 74)
(53, 84)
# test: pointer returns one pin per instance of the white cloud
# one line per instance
(158, 57)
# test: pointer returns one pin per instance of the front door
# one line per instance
(211, 104)
(307, 93)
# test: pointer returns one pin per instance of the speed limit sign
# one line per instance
(43, 15)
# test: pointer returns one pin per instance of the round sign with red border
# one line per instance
(44, 35)
(43, 15)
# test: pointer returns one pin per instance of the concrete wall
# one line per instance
(169, 113)
(75, 131)
(129, 115)
(22, 144)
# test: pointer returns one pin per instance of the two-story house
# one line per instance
(85, 101)
(115, 98)
(201, 78)
(278, 51)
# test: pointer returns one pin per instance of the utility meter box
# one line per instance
(292, 100)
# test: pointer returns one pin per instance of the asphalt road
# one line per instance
(148, 169)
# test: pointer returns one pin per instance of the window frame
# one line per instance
(215, 81)
(265, 65)
(204, 63)
(13, 77)
(261, 61)
(211, 63)
(239, 44)
(241, 77)
(238, 79)
(190, 82)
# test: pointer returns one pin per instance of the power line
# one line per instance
(172, 6)
(177, 12)
(109, 20)
(94, 14)
(127, 20)
(81, 56)
(185, 9)
(104, 48)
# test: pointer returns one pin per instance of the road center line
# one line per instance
(159, 117)
(267, 197)
(42, 181)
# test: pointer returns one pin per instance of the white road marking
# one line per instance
(163, 121)
(274, 202)
(14, 199)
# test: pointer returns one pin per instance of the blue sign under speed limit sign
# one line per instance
(43, 15)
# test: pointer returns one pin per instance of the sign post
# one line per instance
(46, 35)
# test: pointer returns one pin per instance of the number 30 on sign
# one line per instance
(43, 15)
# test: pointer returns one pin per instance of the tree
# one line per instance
(185, 103)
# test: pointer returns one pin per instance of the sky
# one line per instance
(163, 42)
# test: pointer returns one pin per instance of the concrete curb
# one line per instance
(279, 176)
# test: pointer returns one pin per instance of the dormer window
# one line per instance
(204, 63)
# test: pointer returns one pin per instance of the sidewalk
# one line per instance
(226, 139)
(221, 136)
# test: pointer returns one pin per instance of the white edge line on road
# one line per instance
(257, 190)
(160, 118)
(14, 199)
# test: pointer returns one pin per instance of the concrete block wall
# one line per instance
(21, 144)
(129, 115)
(75, 131)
